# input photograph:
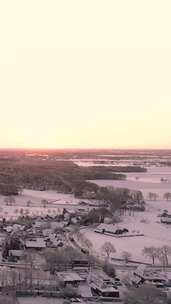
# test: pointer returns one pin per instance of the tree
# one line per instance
(137, 196)
(114, 197)
(21, 211)
(88, 243)
(151, 252)
(163, 253)
(109, 269)
(29, 259)
(108, 248)
(126, 256)
(11, 242)
(60, 257)
(145, 294)
(44, 203)
(95, 216)
(9, 200)
(167, 196)
(152, 196)
(29, 203)
(20, 190)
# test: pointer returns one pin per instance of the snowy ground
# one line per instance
(155, 234)
(146, 182)
(55, 205)
(39, 300)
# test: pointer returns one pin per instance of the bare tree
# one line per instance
(44, 203)
(88, 243)
(163, 253)
(108, 248)
(151, 252)
(20, 190)
(167, 196)
(152, 196)
(9, 200)
(29, 203)
(21, 211)
(126, 256)
(29, 259)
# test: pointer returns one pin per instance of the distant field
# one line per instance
(147, 182)
(36, 208)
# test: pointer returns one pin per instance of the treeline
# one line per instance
(62, 176)
(166, 163)
(9, 189)
(122, 169)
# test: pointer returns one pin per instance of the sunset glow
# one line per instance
(94, 73)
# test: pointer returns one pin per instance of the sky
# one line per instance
(85, 74)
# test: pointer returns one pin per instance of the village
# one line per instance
(73, 252)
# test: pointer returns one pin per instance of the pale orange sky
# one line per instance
(85, 73)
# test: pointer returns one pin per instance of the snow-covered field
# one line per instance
(56, 202)
(39, 300)
(146, 182)
(147, 223)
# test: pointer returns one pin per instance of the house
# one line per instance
(85, 291)
(70, 278)
(15, 255)
(106, 228)
(35, 243)
(111, 229)
(80, 263)
(134, 205)
(102, 285)
(116, 230)
(148, 275)
(165, 218)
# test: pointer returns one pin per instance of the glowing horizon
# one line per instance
(85, 74)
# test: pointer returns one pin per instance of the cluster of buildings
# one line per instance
(116, 230)
(84, 279)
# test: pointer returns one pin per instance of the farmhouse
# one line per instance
(144, 274)
(106, 228)
(134, 205)
(116, 231)
(35, 243)
(70, 278)
(85, 291)
(102, 285)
